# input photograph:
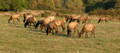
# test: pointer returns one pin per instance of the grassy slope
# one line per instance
(14, 38)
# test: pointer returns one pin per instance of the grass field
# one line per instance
(14, 38)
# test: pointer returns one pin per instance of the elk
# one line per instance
(71, 26)
(50, 27)
(15, 16)
(47, 20)
(29, 21)
(87, 28)
(84, 19)
(102, 19)
(60, 23)
(40, 22)
(71, 18)
(26, 17)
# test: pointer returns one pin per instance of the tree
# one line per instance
(4, 5)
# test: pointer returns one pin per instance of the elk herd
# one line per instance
(51, 23)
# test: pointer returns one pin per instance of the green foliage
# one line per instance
(63, 6)
(92, 5)
(4, 5)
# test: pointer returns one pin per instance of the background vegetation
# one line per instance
(65, 6)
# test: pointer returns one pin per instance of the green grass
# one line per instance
(14, 38)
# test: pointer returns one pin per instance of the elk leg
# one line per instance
(13, 21)
(26, 24)
(9, 20)
(18, 19)
(41, 27)
(45, 27)
(83, 22)
(106, 21)
(34, 24)
(70, 20)
(91, 33)
(66, 19)
(68, 32)
(86, 35)
(63, 27)
(94, 34)
(53, 31)
(30, 25)
(78, 21)
(56, 30)
(47, 32)
(89, 21)
(74, 31)
(99, 21)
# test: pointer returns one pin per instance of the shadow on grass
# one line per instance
(62, 34)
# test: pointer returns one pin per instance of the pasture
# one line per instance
(14, 38)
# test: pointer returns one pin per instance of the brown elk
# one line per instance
(84, 19)
(60, 23)
(26, 17)
(47, 20)
(50, 27)
(71, 18)
(71, 26)
(15, 16)
(102, 19)
(40, 22)
(87, 28)
(29, 21)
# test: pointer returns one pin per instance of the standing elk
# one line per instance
(102, 19)
(87, 28)
(40, 22)
(50, 27)
(15, 16)
(71, 26)
(29, 21)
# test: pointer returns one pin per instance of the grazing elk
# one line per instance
(47, 20)
(102, 19)
(40, 22)
(15, 16)
(84, 19)
(26, 17)
(71, 26)
(87, 28)
(29, 21)
(50, 27)
(60, 23)
(71, 18)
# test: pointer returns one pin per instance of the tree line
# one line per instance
(65, 6)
